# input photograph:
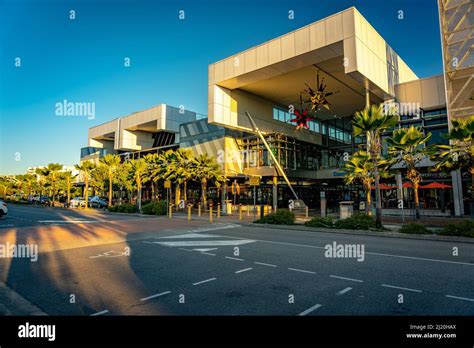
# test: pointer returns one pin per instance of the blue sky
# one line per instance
(82, 59)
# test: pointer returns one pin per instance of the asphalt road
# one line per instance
(163, 267)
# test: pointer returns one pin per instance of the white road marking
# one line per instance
(205, 249)
(399, 287)
(7, 225)
(67, 221)
(233, 258)
(147, 242)
(367, 253)
(99, 313)
(265, 264)
(351, 279)
(157, 295)
(244, 270)
(461, 298)
(192, 243)
(204, 281)
(309, 310)
(190, 235)
(216, 228)
(208, 253)
(184, 249)
(344, 291)
(301, 270)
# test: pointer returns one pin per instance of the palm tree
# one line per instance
(206, 169)
(42, 174)
(152, 162)
(122, 176)
(68, 178)
(53, 176)
(30, 181)
(18, 183)
(110, 163)
(407, 146)
(137, 168)
(361, 168)
(162, 169)
(371, 123)
(459, 154)
(86, 169)
(182, 169)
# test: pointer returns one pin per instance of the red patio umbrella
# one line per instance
(384, 187)
(407, 185)
(435, 185)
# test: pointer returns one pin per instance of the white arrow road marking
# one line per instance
(192, 243)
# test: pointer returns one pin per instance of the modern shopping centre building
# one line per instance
(353, 61)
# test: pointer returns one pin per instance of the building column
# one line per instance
(224, 197)
(275, 194)
(457, 193)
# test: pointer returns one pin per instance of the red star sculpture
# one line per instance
(302, 119)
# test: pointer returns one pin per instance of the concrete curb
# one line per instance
(12, 303)
(369, 233)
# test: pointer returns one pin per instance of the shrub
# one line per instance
(327, 222)
(280, 217)
(460, 229)
(356, 222)
(124, 208)
(155, 208)
(413, 228)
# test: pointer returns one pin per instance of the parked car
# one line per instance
(97, 202)
(77, 202)
(3, 208)
(41, 200)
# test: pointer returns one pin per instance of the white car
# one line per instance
(77, 202)
(3, 208)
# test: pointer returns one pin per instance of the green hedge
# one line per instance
(327, 222)
(280, 217)
(123, 208)
(155, 208)
(414, 228)
(356, 222)
(459, 229)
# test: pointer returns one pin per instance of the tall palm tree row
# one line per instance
(407, 146)
(86, 168)
(110, 163)
(371, 123)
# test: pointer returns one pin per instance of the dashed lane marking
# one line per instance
(244, 270)
(301, 270)
(205, 281)
(99, 313)
(345, 278)
(399, 287)
(154, 296)
(343, 291)
(309, 310)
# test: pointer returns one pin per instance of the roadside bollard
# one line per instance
(248, 210)
(210, 213)
(240, 211)
(306, 211)
(199, 209)
(171, 211)
(189, 212)
(218, 210)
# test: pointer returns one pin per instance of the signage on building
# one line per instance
(254, 181)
